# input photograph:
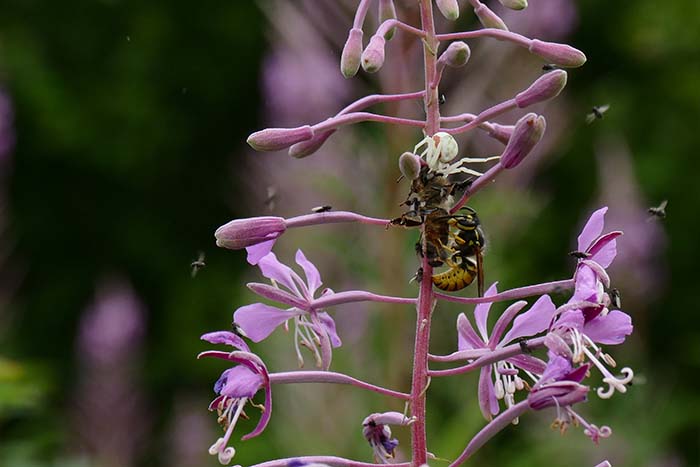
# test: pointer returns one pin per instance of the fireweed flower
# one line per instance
(560, 387)
(313, 329)
(500, 380)
(585, 320)
(234, 388)
(375, 429)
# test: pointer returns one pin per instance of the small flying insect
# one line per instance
(549, 67)
(271, 198)
(442, 99)
(198, 264)
(237, 330)
(580, 254)
(596, 113)
(615, 299)
(319, 209)
(658, 212)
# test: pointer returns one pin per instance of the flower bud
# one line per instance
(409, 165)
(350, 58)
(544, 88)
(488, 18)
(559, 54)
(456, 55)
(500, 132)
(310, 146)
(373, 56)
(242, 233)
(387, 11)
(514, 4)
(527, 133)
(448, 8)
(275, 139)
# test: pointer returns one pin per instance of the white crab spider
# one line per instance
(440, 149)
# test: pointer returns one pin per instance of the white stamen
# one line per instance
(214, 448)
(500, 392)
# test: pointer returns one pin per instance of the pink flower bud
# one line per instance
(527, 133)
(514, 4)
(558, 54)
(409, 165)
(488, 18)
(242, 233)
(448, 8)
(373, 56)
(350, 58)
(387, 10)
(456, 55)
(275, 139)
(501, 132)
(310, 146)
(544, 88)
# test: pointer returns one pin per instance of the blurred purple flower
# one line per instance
(7, 134)
(645, 241)
(110, 417)
(504, 373)
(290, 95)
(544, 19)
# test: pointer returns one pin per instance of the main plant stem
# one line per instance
(426, 299)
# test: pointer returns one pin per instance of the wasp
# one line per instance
(457, 241)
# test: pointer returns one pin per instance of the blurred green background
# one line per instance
(129, 122)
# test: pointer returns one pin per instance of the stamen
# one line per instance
(500, 392)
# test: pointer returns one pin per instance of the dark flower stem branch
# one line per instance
(426, 299)
(294, 377)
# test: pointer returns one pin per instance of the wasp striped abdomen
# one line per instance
(457, 277)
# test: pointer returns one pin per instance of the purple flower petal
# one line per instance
(467, 339)
(481, 313)
(259, 320)
(572, 319)
(259, 251)
(281, 273)
(278, 295)
(487, 393)
(556, 369)
(587, 287)
(610, 329)
(313, 277)
(604, 249)
(533, 321)
(592, 229)
(528, 362)
(240, 381)
(226, 337)
(329, 326)
(264, 417)
(503, 321)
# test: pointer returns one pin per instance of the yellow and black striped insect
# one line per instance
(464, 247)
